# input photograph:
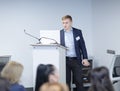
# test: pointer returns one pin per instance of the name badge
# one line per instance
(77, 38)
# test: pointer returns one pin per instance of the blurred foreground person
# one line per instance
(46, 73)
(12, 72)
(100, 80)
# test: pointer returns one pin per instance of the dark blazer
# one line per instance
(17, 87)
(80, 47)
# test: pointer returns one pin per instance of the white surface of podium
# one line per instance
(50, 54)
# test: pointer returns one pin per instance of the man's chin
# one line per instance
(66, 28)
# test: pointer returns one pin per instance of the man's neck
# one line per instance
(69, 29)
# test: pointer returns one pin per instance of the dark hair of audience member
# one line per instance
(42, 75)
(4, 84)
(100, 80)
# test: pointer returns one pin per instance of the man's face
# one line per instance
(67, 24)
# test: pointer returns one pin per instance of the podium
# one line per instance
(50, 54)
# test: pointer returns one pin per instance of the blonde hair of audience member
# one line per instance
(12, 71)
(54, 87)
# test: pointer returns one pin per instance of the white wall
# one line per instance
(15, 16)
(106, 31)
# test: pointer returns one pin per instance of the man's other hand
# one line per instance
(85, 62)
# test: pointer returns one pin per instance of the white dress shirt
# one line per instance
(69, 43)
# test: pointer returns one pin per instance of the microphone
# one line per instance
(39, 39)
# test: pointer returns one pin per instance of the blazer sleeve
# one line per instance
(83, 46)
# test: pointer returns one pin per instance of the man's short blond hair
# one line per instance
(67, 17)
(12, 71)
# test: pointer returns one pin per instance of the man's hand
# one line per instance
(85, 62)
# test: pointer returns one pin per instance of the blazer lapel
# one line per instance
(74, 36)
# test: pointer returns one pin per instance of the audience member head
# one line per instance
(100, 80)
(46, 73)
(12, 71)
(4, 84)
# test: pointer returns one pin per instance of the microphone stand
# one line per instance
(39, 39)
(49, 39)
(33, 36)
